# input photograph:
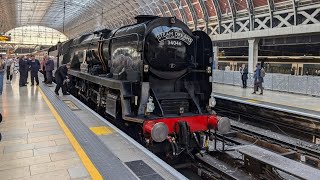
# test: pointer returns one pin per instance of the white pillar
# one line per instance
(212, 100)
(215, 57)
(253, 54)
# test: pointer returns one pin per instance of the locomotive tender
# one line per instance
(151, 79)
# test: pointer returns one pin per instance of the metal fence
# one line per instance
(307, 85)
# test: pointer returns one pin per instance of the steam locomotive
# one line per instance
(151, 79)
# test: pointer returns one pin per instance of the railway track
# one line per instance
(297, 126)
(308, 148)
(227, 162)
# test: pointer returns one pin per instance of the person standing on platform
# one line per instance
(9, 63)
(11, 71)
(61, 77)
(49, 67)
(34, 66)
(16, 64)
(2, 70)
(307, 72)
(292, 71)
(23, 70)
(258, 79)
(27, 60)
(43, 68)
(227, 68)
(244, 75)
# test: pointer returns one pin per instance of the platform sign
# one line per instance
(4, 38)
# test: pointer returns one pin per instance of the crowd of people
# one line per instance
(28, 64)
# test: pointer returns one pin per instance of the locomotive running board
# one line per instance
(125, 87)
(108, 82)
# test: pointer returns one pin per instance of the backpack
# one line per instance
(262, 73)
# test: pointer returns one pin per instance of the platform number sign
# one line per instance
(174, 37)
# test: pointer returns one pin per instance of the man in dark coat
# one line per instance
(27, 59)
(244, 75)
(23, 70)
(61, 77)
(34, 67)
(258, 79)
(49, 67)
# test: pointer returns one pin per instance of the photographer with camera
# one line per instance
(61, 77)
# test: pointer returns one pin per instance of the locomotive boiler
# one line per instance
(151, 79)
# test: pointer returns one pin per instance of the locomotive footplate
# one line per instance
(104, 81)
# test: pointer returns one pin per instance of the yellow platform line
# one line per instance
(94, 173)
(252, 100)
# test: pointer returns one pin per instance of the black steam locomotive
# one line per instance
(150, 78)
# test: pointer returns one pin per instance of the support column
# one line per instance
(212, 100)
(253, 54)
(215, 57)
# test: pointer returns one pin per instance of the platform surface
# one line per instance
(295, 103)
(57, 137)
(34, 146)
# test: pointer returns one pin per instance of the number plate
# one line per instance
(174, 43)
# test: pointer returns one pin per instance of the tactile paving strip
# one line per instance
(143, 171)
(109, 166)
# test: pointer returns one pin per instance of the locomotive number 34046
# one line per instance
(174, 43)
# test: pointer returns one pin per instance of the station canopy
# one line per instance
(74, 17)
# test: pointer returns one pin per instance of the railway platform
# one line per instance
(300, 105)
(45, 136)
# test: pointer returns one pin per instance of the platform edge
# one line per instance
(94, 173)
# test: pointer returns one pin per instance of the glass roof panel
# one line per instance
(36, 35)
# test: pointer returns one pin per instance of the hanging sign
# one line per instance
(5, 38)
